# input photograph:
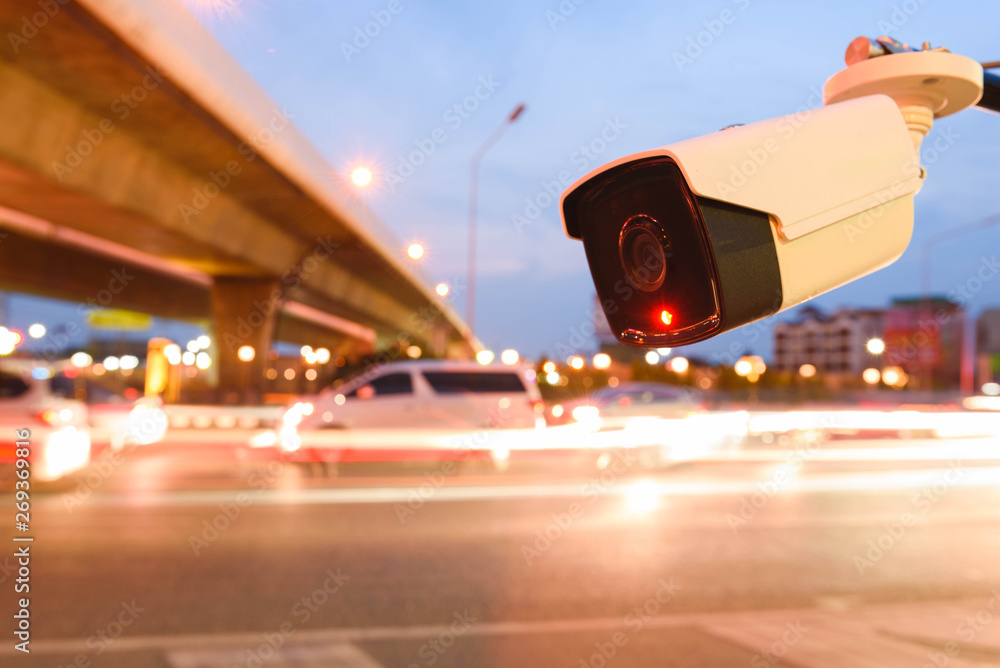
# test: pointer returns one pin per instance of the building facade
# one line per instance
(988, 348)
(836, 343)
(924, 337)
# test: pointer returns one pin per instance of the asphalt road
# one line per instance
(873, 553)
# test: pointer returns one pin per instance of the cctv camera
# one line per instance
(696, 238)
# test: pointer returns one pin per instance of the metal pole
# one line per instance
(991, 92)
(925, 290)
(470, 296)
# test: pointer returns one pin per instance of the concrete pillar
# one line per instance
(244, 312)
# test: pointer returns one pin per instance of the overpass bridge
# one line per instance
(142, 168)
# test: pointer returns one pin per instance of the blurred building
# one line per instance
(835, 344)
(988, 347)
(924, 337)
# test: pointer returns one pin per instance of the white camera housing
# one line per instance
(701, 236)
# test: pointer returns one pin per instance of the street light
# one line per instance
(9, 340)
(415, 251)
(602, 361)
(652, 357)
(173, 354)
(750, 367)
(875, 346)
(510, 357)
(246, 353)
(576, 362)
(470, 297)
(36, 331)
(362, 176)
(680, 365)
(442, 289)
(81, 360)
(894, 376)
(807, 370)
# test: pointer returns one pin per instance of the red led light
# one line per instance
(667, 317)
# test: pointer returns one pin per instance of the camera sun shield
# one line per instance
(649, 253)
(708, 234)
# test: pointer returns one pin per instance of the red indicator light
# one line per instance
(667, 317)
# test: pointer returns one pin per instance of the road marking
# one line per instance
(807, 637)
(298, 656)
(882, 481)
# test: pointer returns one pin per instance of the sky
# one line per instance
(632, 70)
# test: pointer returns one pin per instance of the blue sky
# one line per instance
(624, 63)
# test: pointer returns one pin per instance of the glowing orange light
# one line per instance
(667, 317)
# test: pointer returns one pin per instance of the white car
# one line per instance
(431, 394)
(36, 398)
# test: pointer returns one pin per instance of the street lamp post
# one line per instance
(966, 355)
(470, 297)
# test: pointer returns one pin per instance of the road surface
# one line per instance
(880, 553)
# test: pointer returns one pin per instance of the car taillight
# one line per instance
(53, 417)
(48, 417)
(537, 405)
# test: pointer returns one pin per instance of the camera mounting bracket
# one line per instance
(925, 84)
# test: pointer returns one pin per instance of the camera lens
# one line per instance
(642, 247)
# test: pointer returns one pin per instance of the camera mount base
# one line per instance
(924, 84)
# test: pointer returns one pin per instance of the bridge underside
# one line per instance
(100, 146)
